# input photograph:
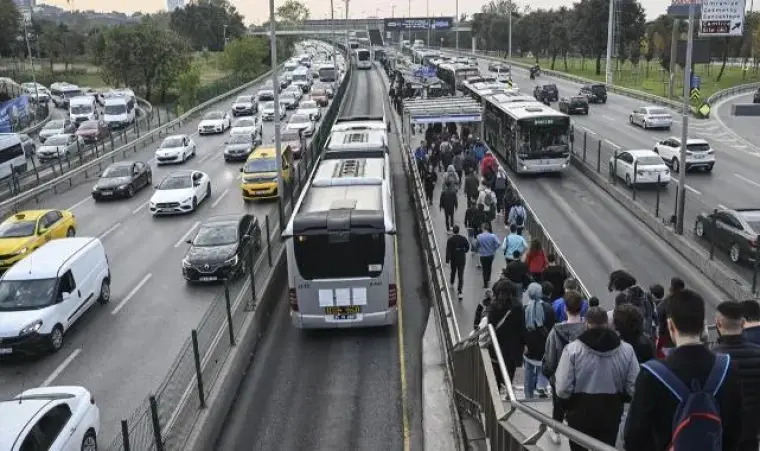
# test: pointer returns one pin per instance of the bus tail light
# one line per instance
(293, 299)
(392, 295)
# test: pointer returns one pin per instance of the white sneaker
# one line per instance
(555, 437)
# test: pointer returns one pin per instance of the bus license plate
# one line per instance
(347, 310)
(6, 351)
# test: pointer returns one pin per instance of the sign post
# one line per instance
(722, 18)
(687, 81)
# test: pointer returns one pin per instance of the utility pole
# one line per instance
(673, 54)
(685, 122)
(509, 50)
(31, 62)
(427, 13)
(332, 23)
(610, 33)
(277, 137)
(456, 24)
(348, 46)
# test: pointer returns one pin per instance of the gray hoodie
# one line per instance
(559, 337)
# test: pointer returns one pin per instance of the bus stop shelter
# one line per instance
(419, 114)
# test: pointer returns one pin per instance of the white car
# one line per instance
(311, 108)
(248, 125)
(699, 154)
(175, 149)
(63, 418)
(60, 146)
(303, 123)
(651, 117)
(214, 122)
(180, 192)
(244, 105)
(640, 167)
(267, 111)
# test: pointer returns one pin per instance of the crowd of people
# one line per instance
(640, 376)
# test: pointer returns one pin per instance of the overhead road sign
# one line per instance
(418, 23)
(722, 18)
(680, 8)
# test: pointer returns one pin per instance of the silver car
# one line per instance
(59, 146)
(56, 127)
(651, 117)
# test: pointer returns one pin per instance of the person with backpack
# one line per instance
(622, 281)
(692, 400)
(474, 218)
(447, 156)
(458, 163)
(471, 187)
(451, 180)
(500, 189)
(470, 164)
(596, 373)
(729, 320)
(478, 148)
(487, 198)
(505, 315)
(449, 204)
(514, 244)
(560, 304)
(539, 320)
(536, 260)
(420, 156)
(517, 218)
(488, 168)
(486, 244)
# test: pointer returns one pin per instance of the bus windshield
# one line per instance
(300, 76)
(363, 55)
(327, 73)
(115, 109)
(542, 138)
(343, 262)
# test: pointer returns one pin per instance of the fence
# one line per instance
(163, 421)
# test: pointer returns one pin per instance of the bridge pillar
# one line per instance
(474, 45)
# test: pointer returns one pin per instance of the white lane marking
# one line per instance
(108, 232)
(80, 203)
(751, 182)
(206, 157)
(677, 180)
(607, 118)
(131, 294)
(137, 210)
(61, 368)
(187, 234)
(220, 197)
(611, 143)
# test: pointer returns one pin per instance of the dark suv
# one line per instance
(595, 93)
(575, 104)
(546, 93)
(756, 97)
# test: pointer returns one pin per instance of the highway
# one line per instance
(340, 389)
(742, 129)
(122, 351)
(595, 232)
(733, 182)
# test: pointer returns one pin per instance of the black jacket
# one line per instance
(471, 185)
(752, 334)
(449, 201)
(474, 218)
(642, 346)
(430, 178)
(746, 357)
(509, 334)
(457, 247)
(555, 275)
(649, 424)
(535, 340)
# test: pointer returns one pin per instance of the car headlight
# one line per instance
(21, 251)
(187, 200)
(185, 263)
(232, 261)
(31, 328)
(123, 186)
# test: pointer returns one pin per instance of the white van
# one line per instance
(12, 156)
(83, 108)
(47, 291)
(119, 111)
(61, 93)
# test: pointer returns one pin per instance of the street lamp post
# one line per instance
(427, 13)
(456, 24)
(509, 48)
(348, 45)
(31, 62)
(332, 23)
(224, 36)
(610, 33)
(685, 123)
(276, 91)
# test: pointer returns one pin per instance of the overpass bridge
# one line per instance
(335, 27)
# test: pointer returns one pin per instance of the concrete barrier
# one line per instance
(745, 109)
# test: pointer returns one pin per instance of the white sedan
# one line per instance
(651, 117)
(310, 108)
(267, 111)
(214, 122)
(180, 192)
(699, 154)
(175, 149)
(303, 123)
(640, 167)
(248, 126)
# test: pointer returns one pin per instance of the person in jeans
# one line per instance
(457, 247)
(539, 320)
(487, 245)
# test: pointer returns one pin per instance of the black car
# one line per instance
(546, 93)
(734, 230)
(575, 104)
(221, 248)
(756, 97)
(122, 179)
(596, 93)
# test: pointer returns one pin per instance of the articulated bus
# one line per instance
(455, 74)
(363, 59)
(479, 90)
(530, 136)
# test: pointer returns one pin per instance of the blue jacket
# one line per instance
(560, 309)
(420, 153)
(487, 244)
(480, 151)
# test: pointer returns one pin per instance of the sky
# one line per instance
(320, 9)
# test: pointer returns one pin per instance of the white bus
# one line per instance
(12, 157)
(341, 247)
(530, 136)
(455, 75)
(358, 136)
(363, 59)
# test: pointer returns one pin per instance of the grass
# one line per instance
(652, 78)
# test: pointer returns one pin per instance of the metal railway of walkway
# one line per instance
(337, 28)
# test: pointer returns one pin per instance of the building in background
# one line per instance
(174, 4)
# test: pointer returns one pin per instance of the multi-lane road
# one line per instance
(343, 389)
(123, 350)
(742, 129)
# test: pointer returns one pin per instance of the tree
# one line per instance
(206, 24)
(244, 57)
(559, 34)
(10, 27)
(188, 85)
(293, 12)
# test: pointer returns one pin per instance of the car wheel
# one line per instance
(55, 339)
(630, 119)
(131, 191)
(150, 179)
(90, 441)
(644, 124)
(628, 182)
(708, 169)
(195, 203)
(699, 229)
(674, 164)
(105, 292)
(71, 232)
(208, 191)
(735, 253)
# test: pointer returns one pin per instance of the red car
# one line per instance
(93, 131)
(320, 96)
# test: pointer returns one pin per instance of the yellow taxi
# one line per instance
(27, 230)
(258, 178)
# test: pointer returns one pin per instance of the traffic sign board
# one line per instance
(695, 94)
(722, 18)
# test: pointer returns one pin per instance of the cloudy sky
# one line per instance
(252, 9)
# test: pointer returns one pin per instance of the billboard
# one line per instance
(680, 8)
(13, 112)
(418, 23)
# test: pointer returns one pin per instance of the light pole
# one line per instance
(610, 32)
(456, 24)
(348, 46)
(685, 122)
(276, 91)
(509, 48)
(31, 62)
(332, 23)
(224, 36)
(427, 13)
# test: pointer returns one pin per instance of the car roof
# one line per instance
(176, 136)
(46, 261)
(180, 172)
(642, 153)
(16, 415)
(122, 163)
(696, 141)
(26, 215)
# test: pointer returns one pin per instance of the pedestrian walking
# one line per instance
(449, 204)
(514, 245)
(751, 332)
(451, 180)
(517, 218)
(506, 316)
(487, 198)
(458, 163)
(471, 187)
(457, 247)
(474, 218)
(487, 244)
(536, 260)
(430, 179)
(500, 189)
(539, 320)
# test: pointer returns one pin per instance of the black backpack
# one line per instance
(520, 217)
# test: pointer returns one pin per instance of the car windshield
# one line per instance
(54, 125)
(599, 88)
(299, 119)
(89, 125)
(218, 235)
(244, 123)
(268, 106)
(578, 99)
(310, 105)
(115, 109)
(57, 141)
(241, 139)
(657, 111)
(176, 182)
(650, 161)
(698, 147)
(318, 92)
(290, 136)
(243, 99)
(213, 116)
(118, 170)
(17, 229)
(172, 142)
(30, 294)
(261, 165)
(81, 109)
(550, 87)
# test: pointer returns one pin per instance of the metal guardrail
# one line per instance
(95, 166)
(739, 89)
(163, 421)
(36, 127)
